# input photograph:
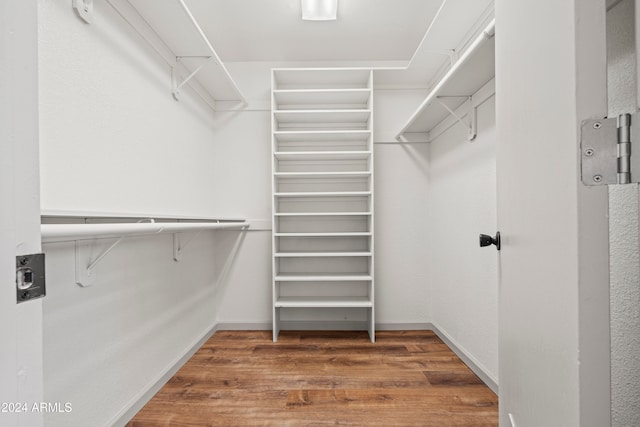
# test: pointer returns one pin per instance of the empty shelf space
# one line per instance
(303, 99)
(356, 174)
(321, 254)
(322, 135)
(328, 234)
(325, 194)
(324, 302)
(324, 117)
(322, 155)
(320, 78)
(322, 213)
(323, 277)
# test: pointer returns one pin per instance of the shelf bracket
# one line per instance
(472, 125)
(179, 246)
(85, 275)
(451, 53)
(175, 77)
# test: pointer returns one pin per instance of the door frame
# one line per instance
(21, 338)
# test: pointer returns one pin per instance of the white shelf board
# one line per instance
(321, 254)
(309, 78)
(324, 302)
(325, 194)
(469, 74)
(289, 99)
(322, 135)
(284, 214)
(323, 277)
(285, 117)
(330, 234)
(357, 174)
(322, 155)
(68, 232)
(171, 31)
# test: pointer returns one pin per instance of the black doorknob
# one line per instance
(486, 240)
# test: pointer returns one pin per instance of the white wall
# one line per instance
(114, 140)
(463, 278)
(624, 230)
(112, 137)
(107, 344)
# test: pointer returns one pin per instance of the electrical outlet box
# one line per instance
(30, 277)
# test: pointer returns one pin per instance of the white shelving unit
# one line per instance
(466, 85)
(323, 237)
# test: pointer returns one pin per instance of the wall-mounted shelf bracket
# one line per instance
(85, 276)
(451, 53)
(176, 84)
(472, 124)
(179, 246)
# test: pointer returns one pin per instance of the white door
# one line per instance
(554, 265)
(21, 383)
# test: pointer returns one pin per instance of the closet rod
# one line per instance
(62, 232)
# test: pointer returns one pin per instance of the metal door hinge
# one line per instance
(606, 151)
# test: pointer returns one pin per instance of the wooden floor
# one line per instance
(407, 378)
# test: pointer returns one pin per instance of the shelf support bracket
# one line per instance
(175, 77)
(85, 275)
(472, 125)
(179, 246)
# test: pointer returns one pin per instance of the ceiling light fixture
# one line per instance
(319, 10)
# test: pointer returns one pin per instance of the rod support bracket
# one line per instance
(176, 82)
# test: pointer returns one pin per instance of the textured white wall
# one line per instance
(463, 278)
(114, 140)
(624, 230)
(106, 344)
(112, 137)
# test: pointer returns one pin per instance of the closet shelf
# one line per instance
(322, 135)
(171, 30)
(325, 194)
(473, 70)
(307, 98)
(322, 155)
(322, 174)
(322, 214)
(84, 229)
(321, 254)
(329, 234)
(68, 232)
(324, 302)
(322, 277)
(306, 117)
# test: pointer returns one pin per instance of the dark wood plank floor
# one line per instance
(406, 378)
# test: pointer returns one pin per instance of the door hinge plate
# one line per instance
(605, 146)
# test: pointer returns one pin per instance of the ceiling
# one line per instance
(272, 30)
(412, 35)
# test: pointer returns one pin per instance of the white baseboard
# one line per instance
(145, 395)
(468, 359)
